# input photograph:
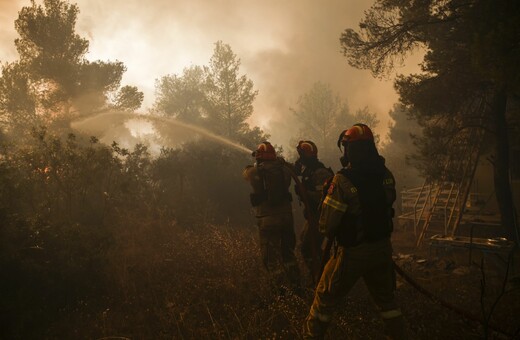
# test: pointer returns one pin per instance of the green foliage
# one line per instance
(494, 47)
(230, 95)
(470, 48)
(129, 98)
(79, 220)
(50, 51)
(400, 150)
(95, 80)
(212, 188)
(364, 116)
(322, 115)
(17, 102)
(182, 97)
(251, 137)
(48, 43)
(53, 209)
(386, 35)
(52, 81)
(168, 174)
(470, 77)
(59, 180)
(213, 97)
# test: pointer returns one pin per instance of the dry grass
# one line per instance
(205, 282)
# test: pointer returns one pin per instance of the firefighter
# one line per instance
(270, 180)
(357, 214)
(313, 174)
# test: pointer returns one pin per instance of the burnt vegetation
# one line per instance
(109, 241)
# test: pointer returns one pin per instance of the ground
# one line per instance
(462, 290)
(208, 283)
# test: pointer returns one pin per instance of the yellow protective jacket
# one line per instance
(313, 181)
(267, 179)
(342, 205)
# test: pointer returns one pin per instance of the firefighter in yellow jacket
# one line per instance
(270, 180)
(313, 175)
(357, 213)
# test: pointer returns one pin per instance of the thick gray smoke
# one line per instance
(284, 46)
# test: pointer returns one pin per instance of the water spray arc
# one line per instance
(78, 124)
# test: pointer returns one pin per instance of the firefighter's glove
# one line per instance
(246, 174)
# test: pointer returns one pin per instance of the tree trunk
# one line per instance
(501, 167)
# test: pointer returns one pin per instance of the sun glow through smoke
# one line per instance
(284, 48)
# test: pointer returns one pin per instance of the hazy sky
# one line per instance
(284, 46)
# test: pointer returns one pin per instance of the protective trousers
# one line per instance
(311, 240)
(373, 263)
(277, 243)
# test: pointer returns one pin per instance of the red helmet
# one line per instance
(265, 152)
(356, 133)
(307, 148)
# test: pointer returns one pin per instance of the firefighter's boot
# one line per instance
(395, 328)
(315, 326)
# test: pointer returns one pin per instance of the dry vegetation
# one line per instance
(169, 282)
(166, 281)
(100, 242)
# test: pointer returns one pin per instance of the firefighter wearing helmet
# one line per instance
(357, 213)
(313, 175)
(270, 180)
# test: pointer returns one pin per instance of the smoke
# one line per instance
(284, 47)
(8, 14)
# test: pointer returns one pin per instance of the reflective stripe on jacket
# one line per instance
(342, 198)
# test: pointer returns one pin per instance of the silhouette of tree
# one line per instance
(364, 116)
(128, 98)
(470, 74)
(230, 95)
(52, 81)
(322, 115)
(182, 97)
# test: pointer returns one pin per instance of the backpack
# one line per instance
(375, 222)
(275, 181)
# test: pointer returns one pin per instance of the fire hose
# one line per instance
(444, 303)
(316, 249)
